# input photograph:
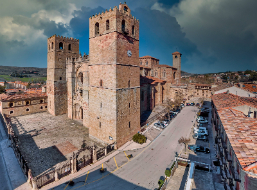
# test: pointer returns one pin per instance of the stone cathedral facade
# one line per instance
(102, 89)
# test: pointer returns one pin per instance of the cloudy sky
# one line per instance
(212, 35)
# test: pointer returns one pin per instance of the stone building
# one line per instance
(234, 129)
(23, 103)
(103, 89)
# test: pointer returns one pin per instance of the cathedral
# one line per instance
(109, 89)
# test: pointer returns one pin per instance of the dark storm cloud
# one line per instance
(49, 27)
(226, 30)
(161, 35)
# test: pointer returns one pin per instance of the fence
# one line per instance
(14, 144)
(84, 161)
(45, 179)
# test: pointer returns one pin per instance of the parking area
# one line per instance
(202, 177)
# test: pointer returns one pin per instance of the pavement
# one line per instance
(11, 175)
(143, 170)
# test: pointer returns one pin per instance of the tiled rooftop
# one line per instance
(25, 95)
(241, 130)
(148, 56)
(250, 87)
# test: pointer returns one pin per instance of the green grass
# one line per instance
(25, 79)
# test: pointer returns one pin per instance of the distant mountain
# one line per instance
(8, 70)
(183, 73)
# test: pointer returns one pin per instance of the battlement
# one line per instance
(63, 37)
(123, 9)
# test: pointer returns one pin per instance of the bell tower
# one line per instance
(114, 73)
(59, 48)
(177, 64)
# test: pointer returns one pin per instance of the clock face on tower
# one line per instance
(129, 53)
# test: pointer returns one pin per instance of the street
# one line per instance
(146, 168)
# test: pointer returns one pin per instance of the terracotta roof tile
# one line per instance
(241, 130)
(148, 56)
(250, 87)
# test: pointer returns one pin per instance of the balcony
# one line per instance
(235, 174)
(228, 157)
(227, 173)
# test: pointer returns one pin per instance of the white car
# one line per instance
(198, 118)
(202, 121)
(199, 128)
(201, 132)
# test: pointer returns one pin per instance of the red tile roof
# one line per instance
(176, 53)
(197, 84)
(166, 66)
(147, 56)
(25, 95)
(250, 87)
(241, 130)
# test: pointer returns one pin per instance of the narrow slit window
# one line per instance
(107, 25)
(97, 29)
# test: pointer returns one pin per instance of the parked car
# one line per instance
(197, 104)
(200, 137)
(188, 104)
(199, 118)
(202, 149)
(165, 123)
(201, 132)
(174, 112)
(182, 105)
(192, 104)
(202, 121)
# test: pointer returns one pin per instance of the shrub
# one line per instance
(160, 182)
(138, 138)
(167, 173)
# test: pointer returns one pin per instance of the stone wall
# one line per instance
(20, 108)
(59, 48)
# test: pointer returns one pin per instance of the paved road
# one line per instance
(4, 179)
(144, 171)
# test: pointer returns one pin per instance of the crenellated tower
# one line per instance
(59, 48)
(114, 75)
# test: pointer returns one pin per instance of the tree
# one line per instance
(28, 85)
(2, 89)
(185, 141)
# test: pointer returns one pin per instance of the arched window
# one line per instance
(146, 63)
(174, 75)
(129, 84)
(49, 47)
(69, 47)
(164, 74)
(176, 56)
(27, 102)
(97, 29)
(140, 62)
(155, 73)
(133, 30)
(60, 45)
(52, 45)
(80, 77)
(107, 25)
(123, 25)
(125, 9)
(101, 82)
